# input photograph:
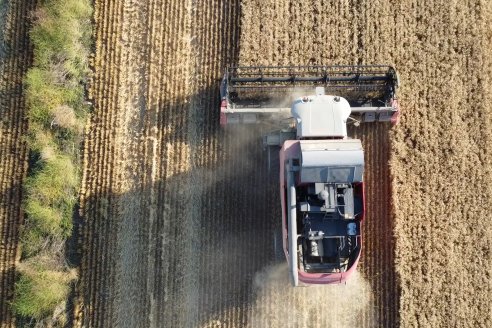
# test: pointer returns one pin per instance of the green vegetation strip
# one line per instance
(61, 37)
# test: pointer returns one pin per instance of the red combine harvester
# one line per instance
(321, 168)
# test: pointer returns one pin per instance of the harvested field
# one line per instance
(124, 169)
(177, 216)
(153, 122)
(15, 56)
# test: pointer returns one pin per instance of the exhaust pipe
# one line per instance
(292, 217)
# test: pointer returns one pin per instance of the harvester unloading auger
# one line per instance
(321, 168)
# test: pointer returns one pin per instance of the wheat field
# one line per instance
(177, 216)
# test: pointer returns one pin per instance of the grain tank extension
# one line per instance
(321, 168)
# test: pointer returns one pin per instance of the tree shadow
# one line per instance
(194, 252)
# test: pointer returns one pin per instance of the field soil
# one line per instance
(15, 57)
(178, 216)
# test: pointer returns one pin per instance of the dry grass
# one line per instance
(64, 116)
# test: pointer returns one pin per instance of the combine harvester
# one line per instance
(321, 168)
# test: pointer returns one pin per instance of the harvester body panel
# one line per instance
(321, 116)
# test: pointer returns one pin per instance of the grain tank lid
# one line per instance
(332, 161)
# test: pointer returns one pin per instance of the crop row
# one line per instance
(15, 56)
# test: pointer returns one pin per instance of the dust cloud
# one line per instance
(278, 304)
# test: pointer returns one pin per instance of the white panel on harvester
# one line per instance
(332, 161)
(321, 116)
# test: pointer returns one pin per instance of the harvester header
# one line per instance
(261, 93)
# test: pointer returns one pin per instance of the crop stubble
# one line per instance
(138, 205)
(15, 56)
(132, 147)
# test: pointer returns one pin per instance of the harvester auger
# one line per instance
(321, 168)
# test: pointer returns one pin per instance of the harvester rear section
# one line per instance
(323, 205)
(321, 168)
